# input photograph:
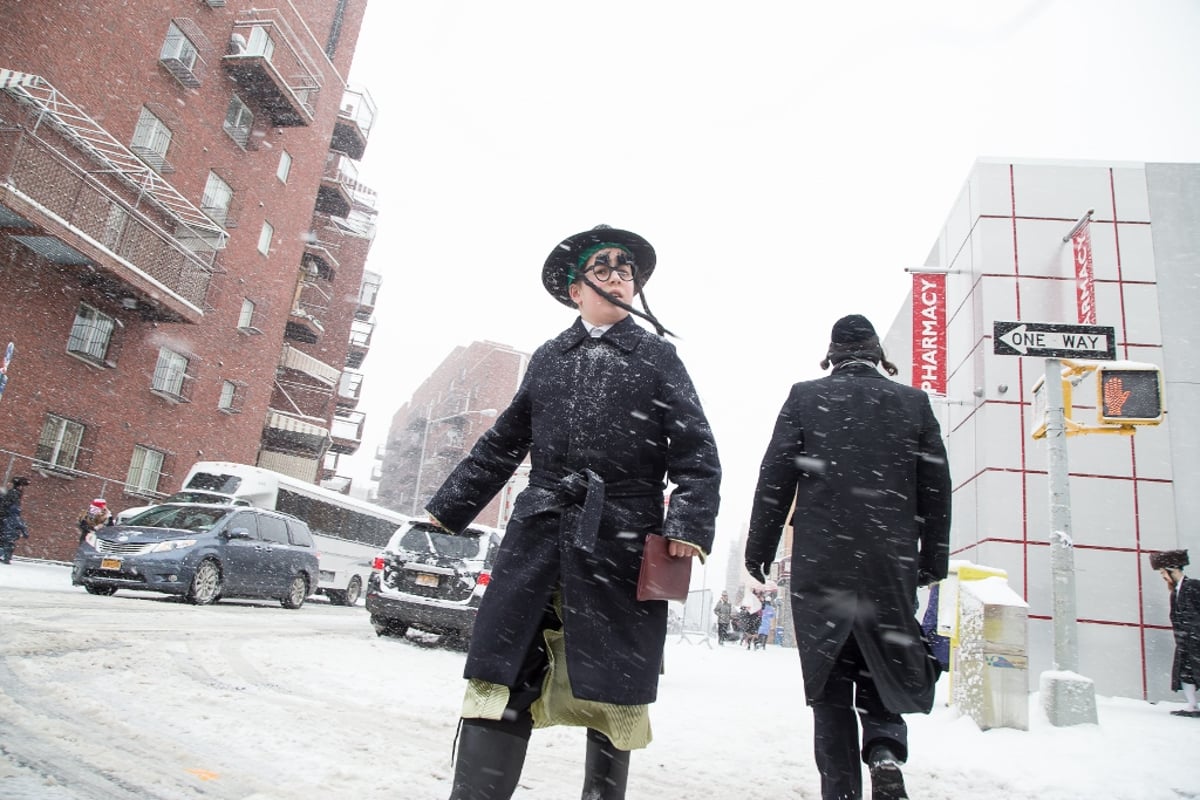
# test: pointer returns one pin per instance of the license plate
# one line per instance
(110, 563)
(426, 579)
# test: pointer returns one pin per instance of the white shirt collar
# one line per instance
(595, 331)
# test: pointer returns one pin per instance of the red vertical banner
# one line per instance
(1085, 280)
(929, 333)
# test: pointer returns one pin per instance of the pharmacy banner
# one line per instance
(929, 333)
(1085, 280)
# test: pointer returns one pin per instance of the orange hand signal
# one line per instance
(1114, 396)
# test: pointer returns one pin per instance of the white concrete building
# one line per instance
(1004, 258)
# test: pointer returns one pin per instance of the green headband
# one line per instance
(591, 251)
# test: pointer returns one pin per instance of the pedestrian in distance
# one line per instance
(96, 516)
(607, 413)
(12, 524)
(1185, 622)
(724, 612)
(765, 625)
(863, 460)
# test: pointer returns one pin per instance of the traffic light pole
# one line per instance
(1067, 699)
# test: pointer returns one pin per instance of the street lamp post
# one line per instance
(429, 423)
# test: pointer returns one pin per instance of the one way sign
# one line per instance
(1052, 340)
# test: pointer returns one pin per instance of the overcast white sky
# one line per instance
(787, 160)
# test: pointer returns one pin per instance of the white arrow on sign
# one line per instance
(1021, 340)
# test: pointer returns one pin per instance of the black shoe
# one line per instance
(1183, 712)
(887, 781)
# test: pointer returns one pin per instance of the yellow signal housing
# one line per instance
(1129, 393)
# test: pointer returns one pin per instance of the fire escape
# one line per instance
(72, 193)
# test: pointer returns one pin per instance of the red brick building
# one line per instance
(183, 243)
(450, 410)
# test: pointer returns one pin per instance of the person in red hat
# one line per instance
(1185, 621)
(96, 516)
(607, 413)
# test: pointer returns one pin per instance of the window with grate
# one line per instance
(179, 56)
(216, 198)
(91, 334)
(145, 471)
(151, 139)
(59, 442)
(170, 373)
(238, 121)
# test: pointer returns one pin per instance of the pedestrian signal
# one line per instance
(1129, 394)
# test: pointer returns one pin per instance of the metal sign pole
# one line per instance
(1068, 698)
(1062, 546)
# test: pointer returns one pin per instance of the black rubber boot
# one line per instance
(490, 757)
(606, 770)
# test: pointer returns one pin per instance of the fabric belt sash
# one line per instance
(588, 490)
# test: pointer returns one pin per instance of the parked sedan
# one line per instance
(203, 552)
(431, 580)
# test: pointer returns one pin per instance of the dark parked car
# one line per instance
(431, 580)
(203, 552)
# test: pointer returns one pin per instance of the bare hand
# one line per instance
(678, 549)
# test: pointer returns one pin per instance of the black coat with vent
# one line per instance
(863, 458)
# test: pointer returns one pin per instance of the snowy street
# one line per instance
(143, 696)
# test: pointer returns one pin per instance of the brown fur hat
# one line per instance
(1169, 559)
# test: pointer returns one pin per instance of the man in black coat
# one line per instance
(606, 412)
(863, 460)
(1185, 621)
(12, 524)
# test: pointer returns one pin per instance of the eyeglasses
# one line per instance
(603, 273)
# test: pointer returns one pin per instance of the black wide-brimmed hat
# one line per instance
(1169, 559)
(565, 262)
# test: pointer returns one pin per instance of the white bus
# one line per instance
(349, 532)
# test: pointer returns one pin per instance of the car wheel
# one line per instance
(388, 627)
(206, 584)
(297, 591)
(103, 591)
(352, 593)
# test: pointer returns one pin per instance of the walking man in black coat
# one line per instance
(606, 412)
(1185, 621)
(12, 524)
(862, 458)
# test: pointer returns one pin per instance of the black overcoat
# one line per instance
(623, 407)
(1185, 620)
(864, 460)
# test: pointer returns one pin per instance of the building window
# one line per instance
(151, 139)
(238, 121)
(170, 373)
(264, 238)
(91, 334)
(59, 443)
(233, 395)
(285, 166)
(145, 471)
(246, 318)
(216, 199)
(179, 55)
